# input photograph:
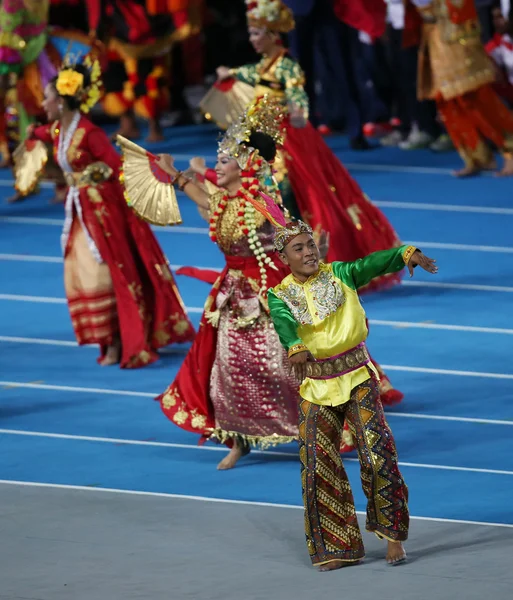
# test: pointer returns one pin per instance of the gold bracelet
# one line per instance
(408, 253)
(296, 349)
(176, 177)
(181, 186)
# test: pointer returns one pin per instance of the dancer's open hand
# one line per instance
(166, 163)
(223, 73)
(426, 263)
(198, 165)
(297, 116)
(323, 243)
(298, 364)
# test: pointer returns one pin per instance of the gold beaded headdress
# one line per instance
(286, 234)
(264, 115)
(70, 82)
(269, 14)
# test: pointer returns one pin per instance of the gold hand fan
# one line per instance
(149, 189)
(226, 101)
(30, 159)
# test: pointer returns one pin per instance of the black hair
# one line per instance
(264, 144)
(74, 102)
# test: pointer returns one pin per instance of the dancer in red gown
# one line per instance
(120, 290)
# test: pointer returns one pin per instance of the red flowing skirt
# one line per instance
(187, 401)
(150, 311)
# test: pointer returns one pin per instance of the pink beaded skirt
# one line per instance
(255, 398)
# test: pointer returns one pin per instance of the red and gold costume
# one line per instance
(139, 40)
(455, 70)
(27, 58)
(117, 280)
(235, 382)
(326, 195)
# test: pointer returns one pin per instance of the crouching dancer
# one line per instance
(320, 321)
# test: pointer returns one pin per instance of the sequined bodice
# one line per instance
(231, 238)
(314, 300)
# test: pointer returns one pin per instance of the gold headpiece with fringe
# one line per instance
(270, 14)
(70, 82)
(264, 115)
(284, 235)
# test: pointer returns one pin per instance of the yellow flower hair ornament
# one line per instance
(93, 93)
(69, 82)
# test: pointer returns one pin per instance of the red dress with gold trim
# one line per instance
(118, 281)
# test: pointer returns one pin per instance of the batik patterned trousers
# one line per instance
(331, 524)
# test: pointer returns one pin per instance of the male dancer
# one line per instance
(321, 323)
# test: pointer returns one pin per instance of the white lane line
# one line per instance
(440, 326)
(485, 210)
(128, 442)
(359, 166)
(32, 221)
(462, 247)
(6, 385)
(83, 488)
(39, 299)
(475, 287)
(407, 283)
(443, 418)
(31, 258)
(40, 341)
(68, 388)
(10, 183)
(386, 323)
(447, 372)
(352, 166)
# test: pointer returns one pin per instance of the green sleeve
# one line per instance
(289, 73)
(284, 322)
(247, 73)
(362, 271)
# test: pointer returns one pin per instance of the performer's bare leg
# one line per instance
(237, 451)
(113, 354)
(128, 127)
(155, 131)
(507, 168)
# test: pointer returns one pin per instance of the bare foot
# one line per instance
(507, 169)
(334, 564)
(231, 459)
(111, 357)
(491, 166)
(395, 553)
(17, 198)
(467, 172)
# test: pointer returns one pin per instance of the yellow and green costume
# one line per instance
(324, 316)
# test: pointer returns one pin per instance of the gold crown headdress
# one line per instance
(270, 14)
(264, 115)
(286, 234)
(70, 82)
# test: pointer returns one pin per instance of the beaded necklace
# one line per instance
(245, 218)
